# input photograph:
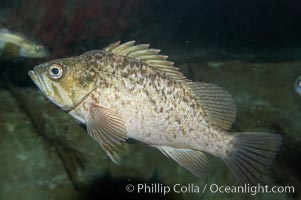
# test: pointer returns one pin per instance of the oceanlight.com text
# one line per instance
(158, 188)
(251, 189)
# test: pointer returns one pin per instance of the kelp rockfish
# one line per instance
(131, 91)
(13, 45)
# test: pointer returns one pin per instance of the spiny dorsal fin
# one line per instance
(217, 103)
(152, 57)
(112, 46)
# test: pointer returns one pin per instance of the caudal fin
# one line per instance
(253, 153)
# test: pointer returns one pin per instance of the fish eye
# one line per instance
(39, 47)
(55, 71)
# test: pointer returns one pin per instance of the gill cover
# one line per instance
(66, 82)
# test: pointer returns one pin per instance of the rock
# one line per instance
(30, 168)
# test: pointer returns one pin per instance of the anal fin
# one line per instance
(192, 160)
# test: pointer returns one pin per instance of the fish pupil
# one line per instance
(55, 71)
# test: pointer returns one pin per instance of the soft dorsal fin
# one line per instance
(216, 102)
(147, 55)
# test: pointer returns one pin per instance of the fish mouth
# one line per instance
(39, 82)
(45, 88)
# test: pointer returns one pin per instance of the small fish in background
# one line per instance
(128, 91)
(14, 45)
(297, 85)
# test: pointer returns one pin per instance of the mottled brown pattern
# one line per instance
(156, 109)
(129, 91)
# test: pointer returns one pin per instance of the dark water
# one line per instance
(235, 24)
(250, 48)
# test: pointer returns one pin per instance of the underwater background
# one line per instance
(250, 48)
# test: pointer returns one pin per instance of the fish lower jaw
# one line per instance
(36, 81)
(40, 84)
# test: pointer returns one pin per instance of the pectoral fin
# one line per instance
(108, 129)
(192, 160)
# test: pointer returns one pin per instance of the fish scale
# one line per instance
(131, 91)
(180, 117)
